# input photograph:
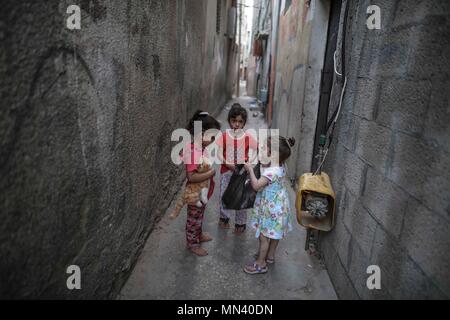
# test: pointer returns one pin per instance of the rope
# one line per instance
(321, 164)
(335, 70)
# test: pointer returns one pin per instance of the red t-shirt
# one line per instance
(191, 160)
(236, 150)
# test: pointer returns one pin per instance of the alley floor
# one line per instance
(167, 270)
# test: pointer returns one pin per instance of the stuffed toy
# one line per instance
(194, 193)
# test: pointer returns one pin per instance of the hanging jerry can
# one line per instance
(315, 202)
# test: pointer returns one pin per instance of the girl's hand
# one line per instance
(196, 177)
(248, 167)
(232, 167)
(257, 184)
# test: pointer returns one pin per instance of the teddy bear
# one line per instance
(194, 193)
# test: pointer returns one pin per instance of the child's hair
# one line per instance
(237, 110)
(208, 122)
(284, 146)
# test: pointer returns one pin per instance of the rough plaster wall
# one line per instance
(251, 77)
(207, 65)
(390, 161)
(262, 24)
(85, 127)
(319, 14)
(265, 67)
(301, 49)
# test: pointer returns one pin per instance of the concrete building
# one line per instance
(389, 158)
(85, 124)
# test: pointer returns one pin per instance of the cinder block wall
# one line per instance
(390, 160)
(85, 128)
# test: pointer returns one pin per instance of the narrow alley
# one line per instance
(93, 92)
(166, 270)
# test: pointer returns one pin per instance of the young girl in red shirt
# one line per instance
(234, 147)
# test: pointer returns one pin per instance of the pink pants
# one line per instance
(194, 225)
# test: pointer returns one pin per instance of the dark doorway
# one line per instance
(326, 82)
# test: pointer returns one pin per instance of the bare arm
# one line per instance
(253, 157)
(257, 184)
(230, 166)
(196, 177)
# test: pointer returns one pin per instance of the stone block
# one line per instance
(372, 143)
(342, 244)
(413, 12)
(354, 173)
(427, 59)
(404, 104)
(357, 272)
(385, 201)
(361, 226)
(436, 131)
(367, 96)
(425, 236)
(383, 54)
(400, 275)
(422, 170)
(346, 128)
(339, 277)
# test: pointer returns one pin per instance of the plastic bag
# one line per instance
(240, 193)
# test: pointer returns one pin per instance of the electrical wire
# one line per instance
(340, 100)
(335, 70)
(334, 124)
(321, 163)
(337, 112)
(247, 6)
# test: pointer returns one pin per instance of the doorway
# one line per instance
(326, 82)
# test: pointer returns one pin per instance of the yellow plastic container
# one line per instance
(317, 185)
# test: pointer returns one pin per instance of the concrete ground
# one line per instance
(167, 270)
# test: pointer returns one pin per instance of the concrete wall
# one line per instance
(85, 129)
(259, 69)
(251, 76)
(390, 161)
(300, 56)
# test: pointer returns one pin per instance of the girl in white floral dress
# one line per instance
(271, 213)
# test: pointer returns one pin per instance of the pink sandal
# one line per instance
(254, 268)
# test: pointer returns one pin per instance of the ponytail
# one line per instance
(285, 148)
(291, 142)
(208, 122)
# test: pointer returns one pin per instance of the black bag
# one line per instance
(240, 193)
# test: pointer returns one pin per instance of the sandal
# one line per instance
(255, 269)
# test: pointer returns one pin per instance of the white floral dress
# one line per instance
(271, 212)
